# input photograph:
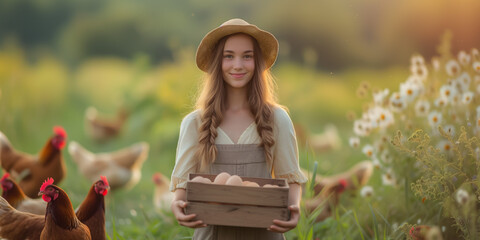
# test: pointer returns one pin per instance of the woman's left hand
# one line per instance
(285, 226)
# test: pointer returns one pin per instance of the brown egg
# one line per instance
(197, 179)
(221, 178)
(234, 180)
(206, 180)
(270, 186)
(250, 184)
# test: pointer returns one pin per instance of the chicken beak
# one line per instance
(41, 193)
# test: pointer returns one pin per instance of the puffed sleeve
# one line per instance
(186, 147)
(285, 150)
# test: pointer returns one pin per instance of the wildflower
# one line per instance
(361, 127)
(434, 118)
(448, 93)
(467, 97)
(419, 71)
(366, 191)
(463, 58)
(388, 178)
(376, 163)
(381, 117)
(449, 129)
(463, 81)
(422, 107)
(419, 221)
(461, 196)
(397, 102)
(394, 226)
(417, 60)
(410, 90)
(440, 102)
(445, 146)
(354, 142)
(368, 150)
(452, 67)
(476, 66)
(379, 97)
(385, 156)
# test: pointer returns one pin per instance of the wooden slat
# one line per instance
(236, 215)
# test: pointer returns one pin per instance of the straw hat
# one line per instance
(267, 42)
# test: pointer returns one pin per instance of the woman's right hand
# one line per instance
(178, 207)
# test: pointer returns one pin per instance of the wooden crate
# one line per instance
(239, 206)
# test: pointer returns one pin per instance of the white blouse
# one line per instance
(285, 150)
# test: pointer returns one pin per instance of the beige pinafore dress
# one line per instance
(243, 160)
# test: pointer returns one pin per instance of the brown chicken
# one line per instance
(104, 129)
(327, 190)
(122, 167)
(162, 196)
(355, 177)
(17, 199)
(29, 171)
(91, 211)
(17, 225)
(425, 232)
(60, 219)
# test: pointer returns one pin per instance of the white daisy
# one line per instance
(448, 93)
(461, 196)
(361, 127)
(417, 60)
(388, 179)
(368, 150)
(366, 191)
(440, 102)
(452, 67)
(464, 81)
(419, 71)
(397, 102)
(464, 58)
(476, 66)
(449, 129)
(354, 142)
(379, 97)
(422, 107)
(467, 97)
(434, 118)
(445, 146)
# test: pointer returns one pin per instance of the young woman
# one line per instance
(237, 127)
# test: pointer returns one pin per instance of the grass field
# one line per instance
(36, 95)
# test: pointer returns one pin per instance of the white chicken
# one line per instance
(122, 167)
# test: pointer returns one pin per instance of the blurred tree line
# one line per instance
(329, 35)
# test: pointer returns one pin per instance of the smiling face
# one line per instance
(238, 62)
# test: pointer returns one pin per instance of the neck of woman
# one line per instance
(236, 99)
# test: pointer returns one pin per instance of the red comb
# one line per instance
(47, 183)
(104, 179)
(58, 130)
(5, 176)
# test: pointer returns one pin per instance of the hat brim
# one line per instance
(267, 42)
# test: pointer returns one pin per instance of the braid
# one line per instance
(264, 120)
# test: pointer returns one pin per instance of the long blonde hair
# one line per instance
(211, 103)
